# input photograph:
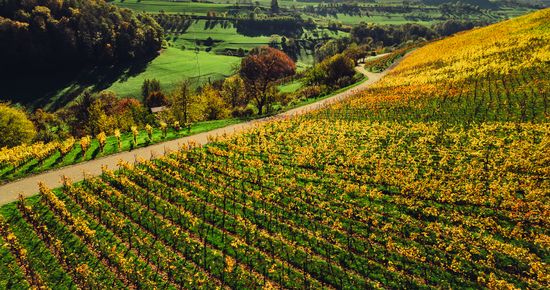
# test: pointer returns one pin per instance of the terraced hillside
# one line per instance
(436, 178)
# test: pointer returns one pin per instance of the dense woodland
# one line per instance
(49, 33)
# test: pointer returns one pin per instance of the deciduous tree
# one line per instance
(15, 127)
(261, 68)
(216, 108)
(234, 92)
(185, 106)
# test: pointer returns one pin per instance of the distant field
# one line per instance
(155, 6)
(175, 65)
(194, 7)
(227, 37)
(224, 37)
(379, 19)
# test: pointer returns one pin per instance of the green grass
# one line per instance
(155, 6)
(290, 87)
(175, 65)
(196, 8)
(224, 37)
(111, 147)
(378, 19)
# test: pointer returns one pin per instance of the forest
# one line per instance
(45, 34)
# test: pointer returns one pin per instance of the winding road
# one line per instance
(29, 186)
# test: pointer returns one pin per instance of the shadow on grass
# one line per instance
(59, 159)
(53, 89)
(34, 165)
(95, 152)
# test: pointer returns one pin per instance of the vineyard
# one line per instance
(24, 160)
(438, 177)
(500, 73)
(380, 64)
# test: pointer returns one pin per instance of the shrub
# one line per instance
(309, 92)
(330, 70)
(15, 127)
(242, 112)
(102, 139)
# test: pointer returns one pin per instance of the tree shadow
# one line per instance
(53, 89)
(95, 153)
(255, 28)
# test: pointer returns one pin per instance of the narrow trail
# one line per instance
(29, 186)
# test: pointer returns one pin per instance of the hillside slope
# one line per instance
(496, 73)
(419, 183)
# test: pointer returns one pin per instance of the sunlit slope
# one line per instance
(499, 73)
(504, 48)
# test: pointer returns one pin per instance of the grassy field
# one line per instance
(196, 8)
(379, 19)
(224, 37)
(290, 87)
(155, 6)
(174, 65)
(227, 37)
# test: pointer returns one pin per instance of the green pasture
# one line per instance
(155, 6)
(290, 87)
(188, 7)
(225, 36)
(174, 65)
(377, 18)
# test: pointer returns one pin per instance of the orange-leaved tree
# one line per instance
(261, 68)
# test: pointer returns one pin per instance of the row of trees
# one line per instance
(90, 115)
(51, 33)
(390, 35)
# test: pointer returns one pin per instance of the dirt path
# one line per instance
(29, 186)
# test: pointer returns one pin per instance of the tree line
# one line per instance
(49, 33)
(391, 35)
